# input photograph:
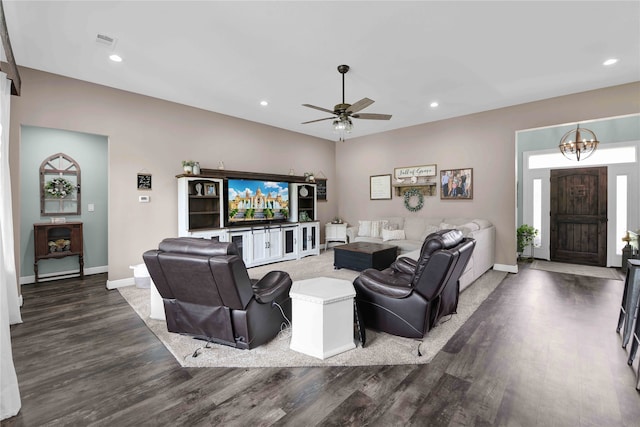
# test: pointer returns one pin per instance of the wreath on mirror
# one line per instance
(58, 188)
(408, 198)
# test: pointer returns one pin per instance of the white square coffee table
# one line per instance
(322, 316)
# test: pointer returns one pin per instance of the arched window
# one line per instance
(59, 186)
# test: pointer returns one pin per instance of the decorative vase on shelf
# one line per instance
(196, 168)
(188, 166)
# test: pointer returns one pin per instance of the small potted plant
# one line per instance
(188, 165)
(526, 234)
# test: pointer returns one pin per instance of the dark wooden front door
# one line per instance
(579, 216)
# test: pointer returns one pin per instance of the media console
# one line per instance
(271, 218)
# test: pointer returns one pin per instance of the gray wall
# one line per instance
(154, 135)
(485, 142)
(151, 135)
(90, 152)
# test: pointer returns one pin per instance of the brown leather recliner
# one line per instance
(408, 298)
(207, 293)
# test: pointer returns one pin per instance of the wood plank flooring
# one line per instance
(541, 350)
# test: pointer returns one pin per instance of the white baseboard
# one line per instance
(506, 267)
(121, 283)
(25, 280)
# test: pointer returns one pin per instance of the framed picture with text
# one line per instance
(380, 187)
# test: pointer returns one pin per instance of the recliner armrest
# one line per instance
(271, 286)
(405, 265)
(384, 283)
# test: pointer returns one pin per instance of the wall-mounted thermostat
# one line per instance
(144, 199)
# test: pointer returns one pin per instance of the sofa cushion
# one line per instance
(414, 227)
(482, 223)
(406, 245)
(466, 228)
(429, 228)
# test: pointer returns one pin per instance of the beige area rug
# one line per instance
(579, 270)
(380, 348)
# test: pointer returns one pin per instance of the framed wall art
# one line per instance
(144, 181)
(380, 187)
(456, 184)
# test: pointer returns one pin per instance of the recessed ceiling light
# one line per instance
(264, 103)
(115, 58)
(434, 104)
(610, 61)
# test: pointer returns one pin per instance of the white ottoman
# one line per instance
(157, 306)
(322, 316)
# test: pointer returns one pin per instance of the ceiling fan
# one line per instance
(343, 112)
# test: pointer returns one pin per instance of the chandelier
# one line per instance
(578, 144)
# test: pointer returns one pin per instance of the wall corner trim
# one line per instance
(506, 267)
(121, 283)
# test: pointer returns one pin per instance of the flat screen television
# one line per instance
(251, 201)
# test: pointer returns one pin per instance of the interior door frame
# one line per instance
(631, 169)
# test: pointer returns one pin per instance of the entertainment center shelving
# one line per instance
(202, 210)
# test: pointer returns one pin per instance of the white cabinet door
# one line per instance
(309, 236)
(260, 246)
(290, 242)
(267, 245)
(244, 243)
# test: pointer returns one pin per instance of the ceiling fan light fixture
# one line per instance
(578, 144)
(343, 125)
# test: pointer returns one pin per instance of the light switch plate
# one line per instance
(144, 199)
(91, 207)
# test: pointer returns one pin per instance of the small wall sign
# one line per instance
(144, 181)
(411, 171)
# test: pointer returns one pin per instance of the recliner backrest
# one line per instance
(442, 239)
(215, 273)
(433, 276)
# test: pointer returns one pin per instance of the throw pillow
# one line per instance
(392, 235)
(364, 228)
(391, 226)
(376, 227)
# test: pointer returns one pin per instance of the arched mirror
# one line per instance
(59, 186)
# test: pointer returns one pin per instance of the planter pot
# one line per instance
(188, 169)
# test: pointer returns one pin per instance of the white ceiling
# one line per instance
(228, 56)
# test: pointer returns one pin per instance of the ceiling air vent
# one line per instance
(104, 39)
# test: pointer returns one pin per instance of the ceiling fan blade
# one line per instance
(362, 104)
(372, 116)
(318, 120)
(318, 108)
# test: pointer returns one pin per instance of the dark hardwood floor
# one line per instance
(541, 350)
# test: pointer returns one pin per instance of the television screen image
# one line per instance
(252, 200)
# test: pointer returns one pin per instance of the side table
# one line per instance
(55, 241)
(322, 316)
(334, 232)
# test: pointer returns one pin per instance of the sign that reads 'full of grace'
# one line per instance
(408, 172)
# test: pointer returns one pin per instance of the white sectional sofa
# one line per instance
(409, 232)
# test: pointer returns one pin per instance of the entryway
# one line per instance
(578, 216)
